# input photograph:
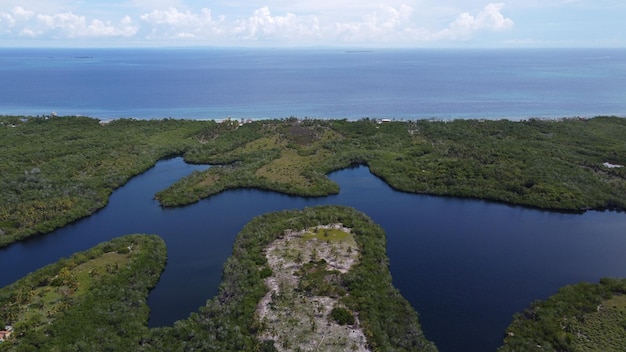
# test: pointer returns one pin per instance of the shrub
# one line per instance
(342, 316)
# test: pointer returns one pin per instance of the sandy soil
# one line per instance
(294, 320)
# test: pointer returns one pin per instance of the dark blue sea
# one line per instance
(267, 83)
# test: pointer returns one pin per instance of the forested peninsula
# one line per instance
(96, 300)
(56, 170)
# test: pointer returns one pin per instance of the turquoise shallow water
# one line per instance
(264, 83)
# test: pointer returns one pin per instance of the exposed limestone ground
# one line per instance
(297, 317)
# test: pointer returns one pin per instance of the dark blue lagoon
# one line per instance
(465, 265)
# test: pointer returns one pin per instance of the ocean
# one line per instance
(211, 83)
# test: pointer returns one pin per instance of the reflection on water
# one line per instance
(465, 265)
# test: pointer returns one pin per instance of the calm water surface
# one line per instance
(262, 83)
(465, 265)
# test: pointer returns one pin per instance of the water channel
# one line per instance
(465, 265)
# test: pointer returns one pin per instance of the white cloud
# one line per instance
(172, 23)
(175, 18)
(125, 28)
(10, 18)
(388, 23)
(490, 18)
(465, 25)
(397, 23)
(6, 20)
(156, 4)
(262, 25)
(25, 23)
(69, 25)
(22, 14)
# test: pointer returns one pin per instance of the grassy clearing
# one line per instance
(297, 155)
(208, 179)
(107, 263)
(617, 302)
(603, 330)
(38, 306)
(288, 168)
(330, 234)
(285, 169)
(261, 143)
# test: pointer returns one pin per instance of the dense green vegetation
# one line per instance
(92, 301)
(342, 316)
(268, 154)
(59, 169)
(107, 311)
(581, 317)
(546, 164)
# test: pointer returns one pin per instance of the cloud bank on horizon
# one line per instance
(412, 23)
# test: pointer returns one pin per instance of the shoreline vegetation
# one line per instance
(56, 170)
(580, 317)
(96, 300)
(93, 301)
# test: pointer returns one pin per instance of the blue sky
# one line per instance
(293, 23)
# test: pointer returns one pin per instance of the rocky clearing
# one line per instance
(305, 287)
